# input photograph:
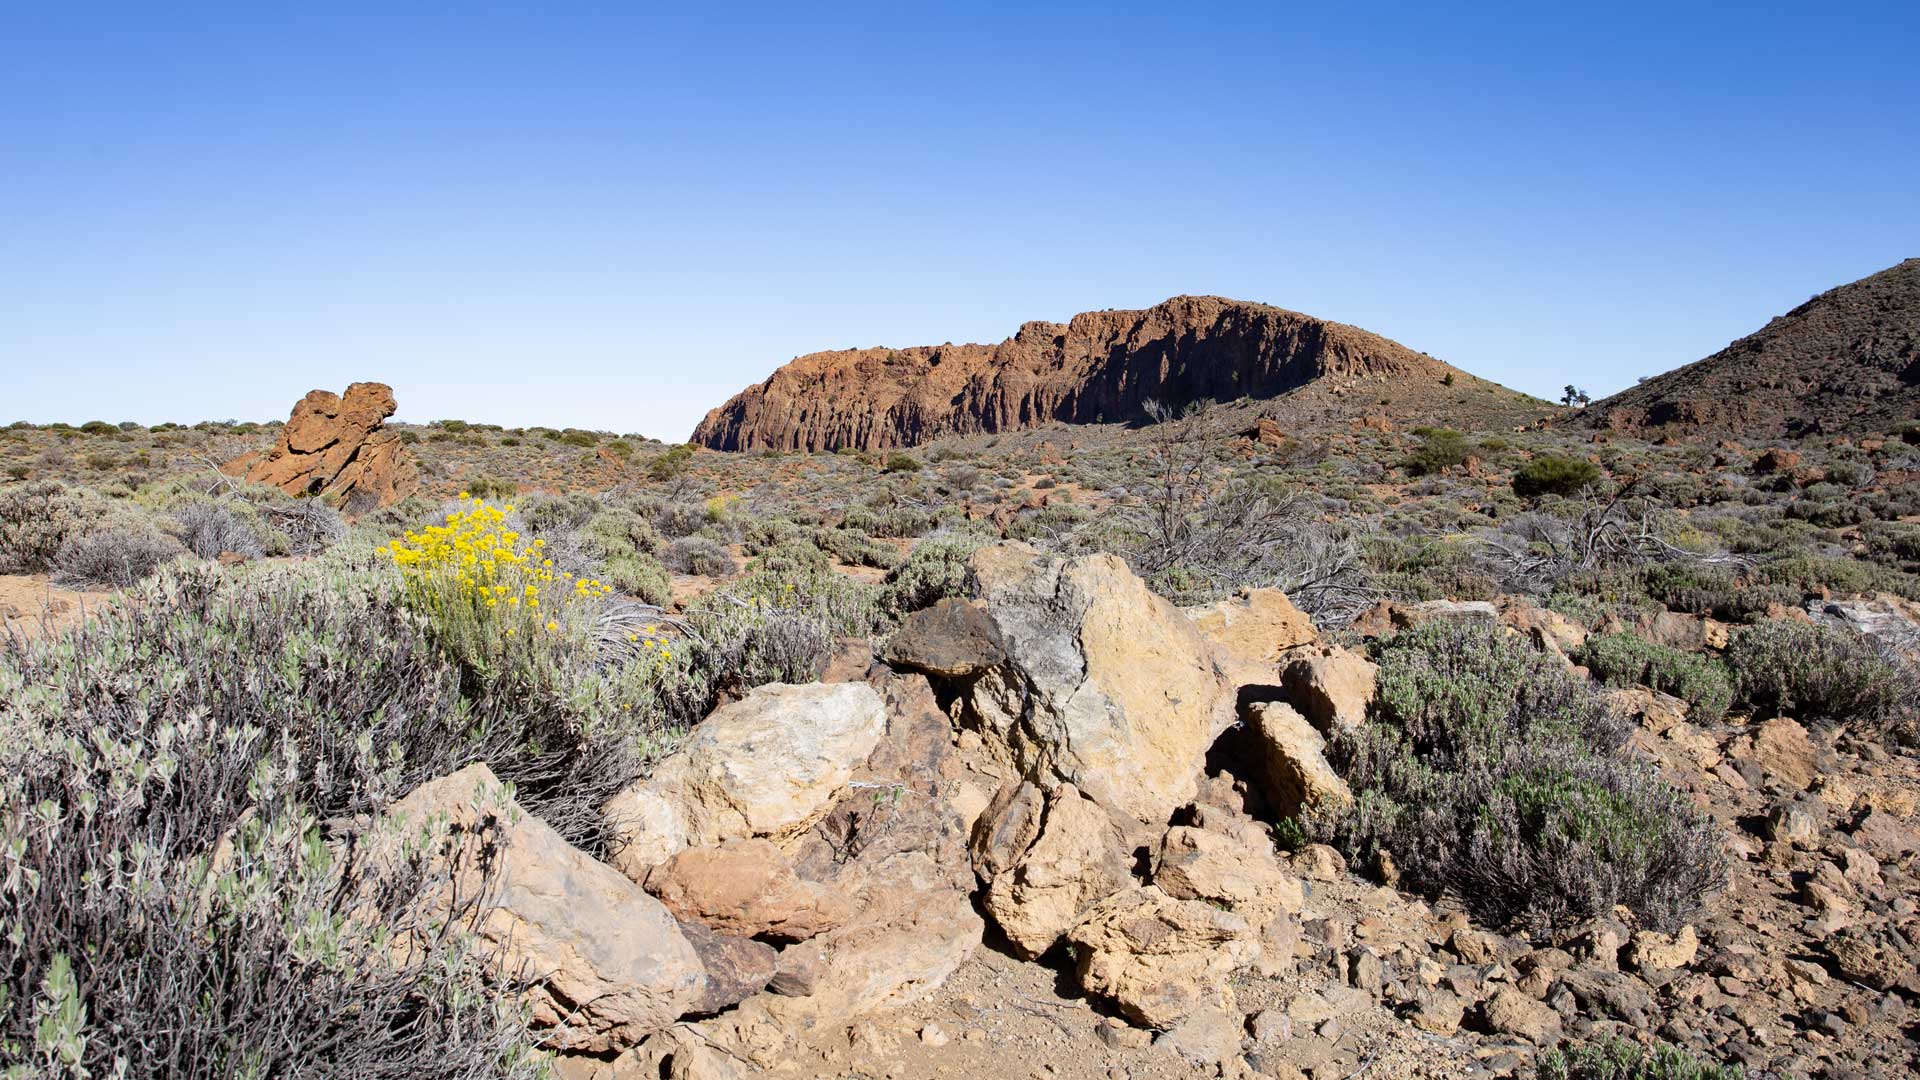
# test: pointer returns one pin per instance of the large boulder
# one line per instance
(1046, 860)
(1105, 686)
(768, 765)
(1291, 755)
(608, 964)
(748, 889)
(951, 639)
(337, 444)
(1158, 959)
(1256, 627)
(1234, 870)
(893, 843)
(1330, 685)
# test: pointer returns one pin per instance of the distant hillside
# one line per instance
(1845, 362)
(1102, 366)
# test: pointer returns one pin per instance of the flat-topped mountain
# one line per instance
(1101, 366)
(1845, 362)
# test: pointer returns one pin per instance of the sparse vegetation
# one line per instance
(1619, 1059)
(1626, 659)
(1493, 776)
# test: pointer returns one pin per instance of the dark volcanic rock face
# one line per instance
(1103, 366)
(1845, 362)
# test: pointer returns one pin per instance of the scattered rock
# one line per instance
(736, 967)
(768, 765)
(1331, 686)
(1510, 1012)
(952, 639)
(745, 888)
(609, 963)
(1225, 870)
(1294, 770)
(1077, 858)
(1650, 950)
(1159, 959)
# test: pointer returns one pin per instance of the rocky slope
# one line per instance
(1845, 362)
(1102, 366)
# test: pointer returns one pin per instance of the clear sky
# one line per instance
(616, 215)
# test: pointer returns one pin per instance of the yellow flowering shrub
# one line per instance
(474, 577)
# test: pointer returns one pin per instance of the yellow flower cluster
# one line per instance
(484, 562)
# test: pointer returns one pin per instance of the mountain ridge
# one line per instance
(1098, 367)
(1845, 362)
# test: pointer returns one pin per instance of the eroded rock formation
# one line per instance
(337, 444)
(1100, 366)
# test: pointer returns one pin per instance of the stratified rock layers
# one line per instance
(1103, 366)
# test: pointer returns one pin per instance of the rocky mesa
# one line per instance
(1101, 366)
(1846, 362)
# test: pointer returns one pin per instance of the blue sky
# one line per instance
(616, 215)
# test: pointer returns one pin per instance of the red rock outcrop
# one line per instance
(1102, 366)
(337, 445)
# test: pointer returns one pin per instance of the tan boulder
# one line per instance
(1228, 871)
(1105, 685)
(1781, 748)
(745, 888)
(1546, 628)
(1159, 959)
(768, 765)
(1650, 950)
(1330, 685)
(1510, 1012)
(894, 844)
(1255, 627)
(1656, 712)
(1077, 856)
(608, 963)
(1294, 771)
(336, 445)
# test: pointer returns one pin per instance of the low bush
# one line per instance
(1818, 673)
(1439, 450)
(670, 463)
(114, 558)
(1626, 659)
(626, 548)
(698, 555)
(1496, 777)
(1619, 1059)
(491, 487)
(1555, 474)
(208, 529)
(38, 518)
(935, 569)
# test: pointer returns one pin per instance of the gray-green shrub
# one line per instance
(698, 555)
(1627, 659)
(114, 557)
(1495, 776)
(1818, 673)
(1619, 1059)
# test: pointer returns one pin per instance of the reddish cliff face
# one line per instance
(1102, 366)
